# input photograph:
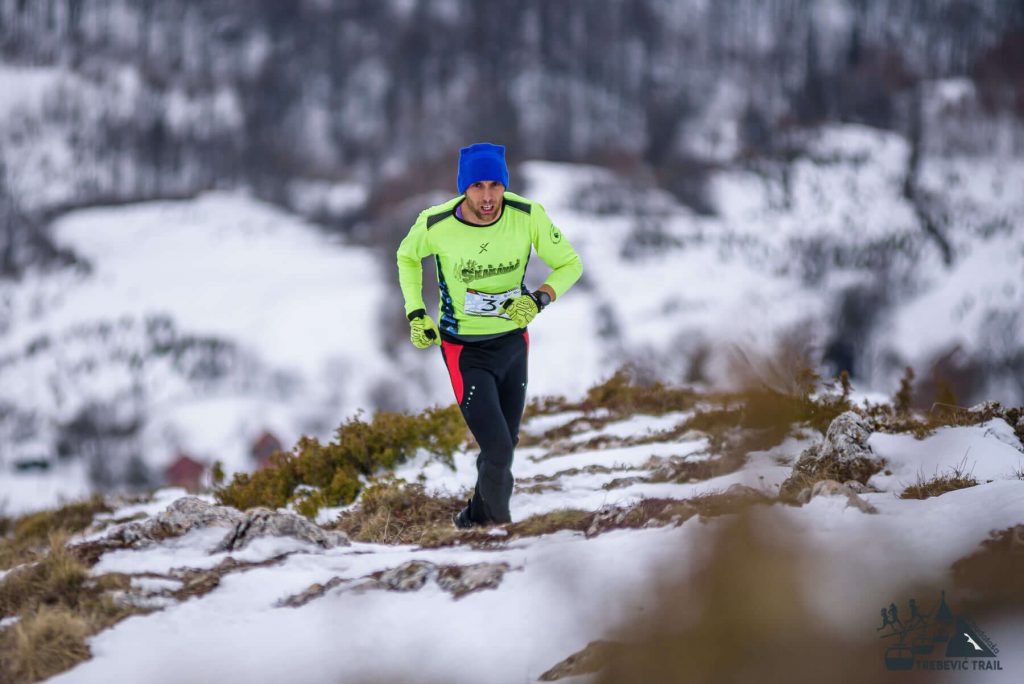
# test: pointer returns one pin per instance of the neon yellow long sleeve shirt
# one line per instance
(479, 267)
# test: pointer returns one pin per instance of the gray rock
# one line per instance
(263, 522)
(606, 517)
(314, 592)
(181, 517)
(843, 455)
(457, 580)
(411, 576)
(190, 513)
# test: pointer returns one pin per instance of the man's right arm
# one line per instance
(414, 247)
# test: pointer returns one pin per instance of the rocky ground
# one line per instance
(618, 517)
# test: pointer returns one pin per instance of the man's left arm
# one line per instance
(556, 251)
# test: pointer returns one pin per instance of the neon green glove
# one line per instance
(522, 309)
(422, 331)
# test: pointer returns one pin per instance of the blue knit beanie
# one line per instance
(482, 162)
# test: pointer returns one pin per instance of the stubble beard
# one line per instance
(478, 215)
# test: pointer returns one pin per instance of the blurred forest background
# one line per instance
(179, 96)
(349, 114)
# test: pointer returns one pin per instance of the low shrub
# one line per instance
(318, 475)
(622, 395)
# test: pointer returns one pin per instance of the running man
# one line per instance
(481, 242)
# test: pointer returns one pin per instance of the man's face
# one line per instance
(483, 201)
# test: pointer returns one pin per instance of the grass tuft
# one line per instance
(31, 532)
(59, 606)
(44, 643)
(551, 522)
(956, 478)
(393, 511)
(56, 579)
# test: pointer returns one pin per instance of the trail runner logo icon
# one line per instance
(936, 640)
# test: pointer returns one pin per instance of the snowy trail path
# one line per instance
(558, 592)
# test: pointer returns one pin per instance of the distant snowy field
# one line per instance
(302, 311)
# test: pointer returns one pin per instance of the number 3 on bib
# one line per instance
(487, 303)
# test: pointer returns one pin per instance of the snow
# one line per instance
(562, 590)
(986, 452)
(22, 493)
(236, 632)
(965, 301)
(31, 83)
(639, 424)
(155, 584)
(223, 266)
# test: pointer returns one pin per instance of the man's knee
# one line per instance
(499, 456)
(498, 453)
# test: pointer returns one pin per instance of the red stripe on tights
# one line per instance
(451, 357)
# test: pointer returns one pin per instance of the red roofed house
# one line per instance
(185, 472)
(263, 447)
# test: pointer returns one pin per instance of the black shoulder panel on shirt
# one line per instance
(521, 206)
(437, 218)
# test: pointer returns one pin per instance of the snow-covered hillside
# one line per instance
(202, 322)
(192, 326)
(506, 605)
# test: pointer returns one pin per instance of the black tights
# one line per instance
(489, 379)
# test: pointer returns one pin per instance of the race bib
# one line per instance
(487, 303)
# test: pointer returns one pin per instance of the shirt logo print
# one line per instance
(483, 248)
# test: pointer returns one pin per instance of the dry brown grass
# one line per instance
(956, 478)
(889, 418)
(551, 522)
(42, 644)
(27, 537)
(59, 605)
(57, 578)
(623, 394)
(392, 511)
